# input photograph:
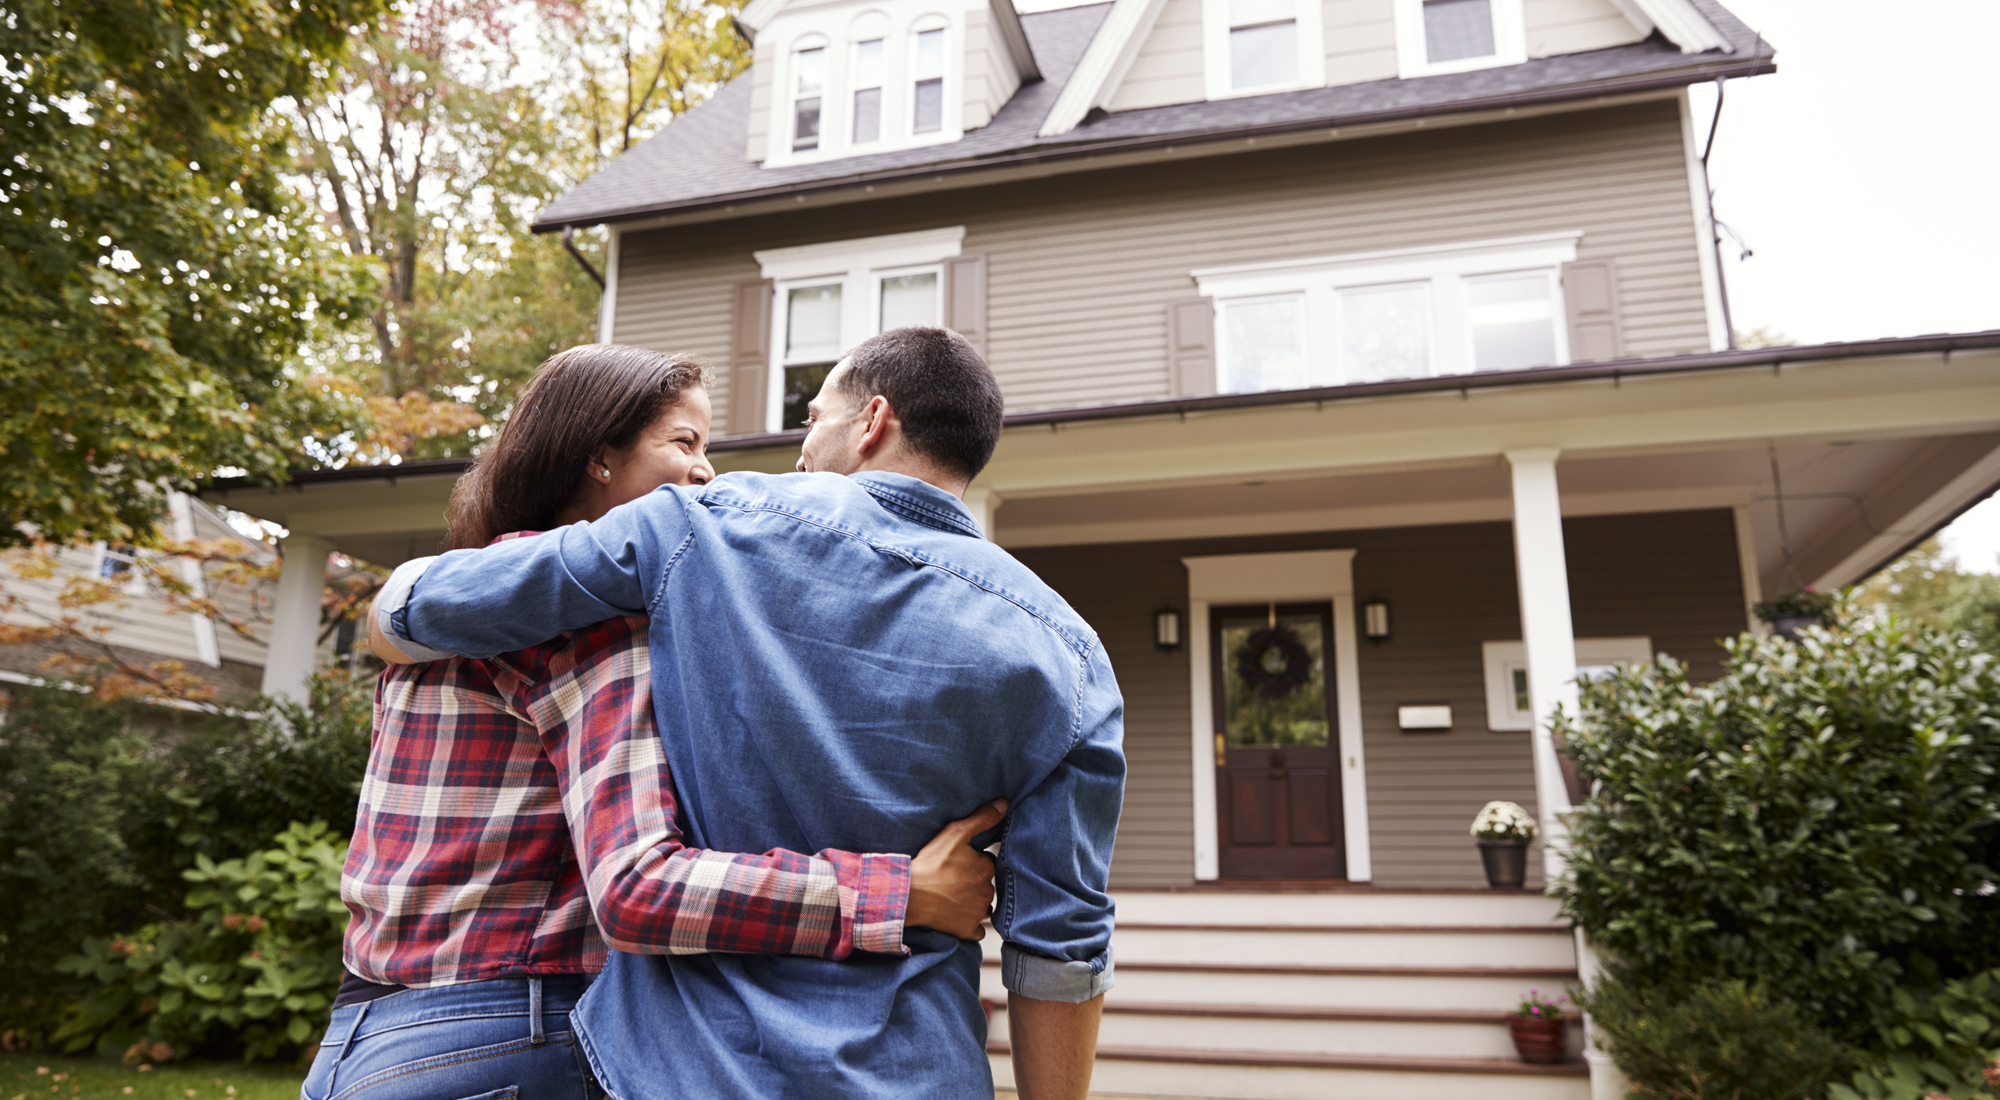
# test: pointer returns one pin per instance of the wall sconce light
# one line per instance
(1167, 628)
(1375, 620)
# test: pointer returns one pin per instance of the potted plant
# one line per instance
(1503, 830)
(1537, 1029)
(1796, 610)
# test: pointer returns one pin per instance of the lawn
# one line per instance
(28, 1076)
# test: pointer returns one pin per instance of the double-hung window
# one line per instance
(866, 73)
(927, 81)
(1452, 36)
(1255, 47)
(849, 83)
(831, 297)
(808, 88)
(1376, 317)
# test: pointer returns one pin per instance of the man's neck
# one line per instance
(926, 472)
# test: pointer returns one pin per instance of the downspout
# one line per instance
(599, 279)
(1714, 227)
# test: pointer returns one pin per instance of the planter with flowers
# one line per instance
(1796, 610)
(1503, 830)
(1537, 1029)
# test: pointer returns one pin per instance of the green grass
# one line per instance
(33, 1077)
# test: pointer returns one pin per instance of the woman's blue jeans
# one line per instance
(502, 1039)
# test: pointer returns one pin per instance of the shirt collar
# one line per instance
(918, 501)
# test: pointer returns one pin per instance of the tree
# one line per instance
(1928, 586)
(159, 272)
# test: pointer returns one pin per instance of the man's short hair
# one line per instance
(941, 389)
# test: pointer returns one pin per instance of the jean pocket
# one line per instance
(508, 1093)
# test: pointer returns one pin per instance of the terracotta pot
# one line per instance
(1538, 1040)
(1506, 863)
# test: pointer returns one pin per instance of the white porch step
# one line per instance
(1408, 1033)
(1467, 988)
(1357, 908)
(1237, 1076)
(1378, 945)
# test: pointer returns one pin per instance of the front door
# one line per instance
(1277, 787)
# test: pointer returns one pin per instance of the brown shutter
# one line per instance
(750, 357)
(965, 298)
(1590, 293)
(1191, 345)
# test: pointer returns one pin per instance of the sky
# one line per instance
(1865, 175)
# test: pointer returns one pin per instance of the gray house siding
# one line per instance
(1672, 576)
(1082, 267)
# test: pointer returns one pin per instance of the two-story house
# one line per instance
(1368, 376)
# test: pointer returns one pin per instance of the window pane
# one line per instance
(808, 71)
(868, 63)
(801, 386)
(805, 124)
(1458, 29)
(1274, 680)
(930, 106)
(1513, 321)
(867, 115)
(1385, 332)
(812, 323)
(1266, 345)
(909, 300)
(930, 54)
(1263, 56)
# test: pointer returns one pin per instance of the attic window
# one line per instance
(1263, 44)
(867, 91)
(1454, 36)
(927, 71)
(808, 81)
(1455, 30)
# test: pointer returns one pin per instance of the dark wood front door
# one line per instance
(1277, 784)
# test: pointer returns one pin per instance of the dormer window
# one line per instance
(1454, 36)
(1256, 47)
(1457, 30)
(869, 82)
(867, 75)
(808, 83)
(927, 76)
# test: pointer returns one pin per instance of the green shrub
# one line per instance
(252, 970)
(1824, 818)
(1946, 1043)
(1714, 1040)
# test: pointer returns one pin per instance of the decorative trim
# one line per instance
(927, 246)
(1008, 21)
(1216, 75)
(607, 302)
(1752, 569)
(1104, 64)
(1510, 41)
(1251, 578)
(1683, 25)
(1347, 259)
(1960, 492)
(1704, 230)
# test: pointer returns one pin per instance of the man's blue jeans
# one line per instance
(492, 1040)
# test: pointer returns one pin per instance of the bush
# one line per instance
(1823, 818)
(252, 970)
(1714, 1040)
(1945, 1044)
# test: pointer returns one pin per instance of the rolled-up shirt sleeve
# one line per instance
(1055, 910)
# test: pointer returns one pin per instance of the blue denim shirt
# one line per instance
(837, 663)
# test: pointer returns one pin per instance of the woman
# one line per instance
(517, 813)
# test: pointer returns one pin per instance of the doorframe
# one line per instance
(1294, 577)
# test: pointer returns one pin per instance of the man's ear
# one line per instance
(878, 428)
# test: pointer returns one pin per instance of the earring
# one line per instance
(604, 472)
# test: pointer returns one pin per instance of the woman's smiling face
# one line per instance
(673, 450)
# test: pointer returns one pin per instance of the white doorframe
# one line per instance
(1283, 578)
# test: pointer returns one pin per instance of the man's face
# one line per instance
(833, 428)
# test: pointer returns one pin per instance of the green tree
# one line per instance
(1927, 585)
(160, 273)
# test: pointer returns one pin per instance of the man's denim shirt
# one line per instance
(837, 663)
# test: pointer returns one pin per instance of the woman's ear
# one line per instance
(597, 468)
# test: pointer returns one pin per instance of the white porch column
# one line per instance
(288, 661)
(1546, 632)
(982, 503)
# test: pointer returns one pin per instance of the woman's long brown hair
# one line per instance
(591, 397)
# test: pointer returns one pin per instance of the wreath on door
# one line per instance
(1274, 662)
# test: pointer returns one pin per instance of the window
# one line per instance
(867, 77)
(927, 72)
(1507, 704)
(808, 81)
(1411, 313)
(116, 561)
(831, 297)
(1454, 36)
(1260, 46)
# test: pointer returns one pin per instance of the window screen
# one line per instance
(808, 79)
(1458, 29)
(1513, 320)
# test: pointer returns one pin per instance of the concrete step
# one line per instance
(1377, 945)
(1362, 908)
(1247, 1076)
(1268, 1030)
(1399, 987)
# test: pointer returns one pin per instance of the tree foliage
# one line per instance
(160, 272)
(1928, 585)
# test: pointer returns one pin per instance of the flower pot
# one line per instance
(1506, 863)
(1538, 1039)
(1789, 626)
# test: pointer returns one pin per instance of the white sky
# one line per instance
(1865, 174)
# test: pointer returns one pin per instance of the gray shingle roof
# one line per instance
(700, 159)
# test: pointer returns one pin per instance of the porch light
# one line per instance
(1375, 620)
(1167, 628)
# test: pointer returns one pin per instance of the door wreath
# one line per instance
(1274, 662)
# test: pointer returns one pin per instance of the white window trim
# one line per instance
(836, 117)
(1510, 41)
(857, 265)
(1257, 578)
(1503, 659)
(1444, 267)
(1215, 51)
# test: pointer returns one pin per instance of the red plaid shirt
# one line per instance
(517, 816)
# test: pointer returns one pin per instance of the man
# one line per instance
(839, 662)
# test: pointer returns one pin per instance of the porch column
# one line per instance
(288, 660)
(982, 503)
(1546, 632)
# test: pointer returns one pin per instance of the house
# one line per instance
(1369, 379)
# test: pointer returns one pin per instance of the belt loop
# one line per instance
(346, 1045)
(535, 1035)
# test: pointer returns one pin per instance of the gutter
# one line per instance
(1053, 153)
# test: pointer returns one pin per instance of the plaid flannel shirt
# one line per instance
(517, 816)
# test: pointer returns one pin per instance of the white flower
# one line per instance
(1503, 821)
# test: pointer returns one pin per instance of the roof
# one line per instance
(699, 161)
